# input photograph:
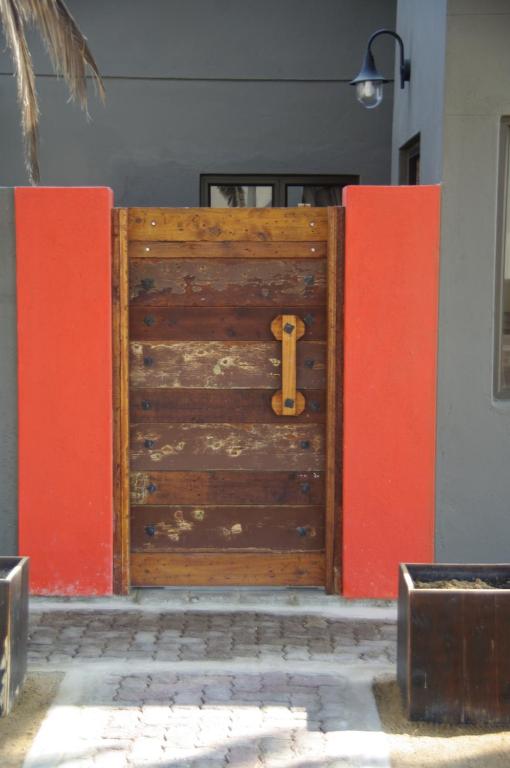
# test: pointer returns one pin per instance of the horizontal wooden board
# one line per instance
(227, 446)
(304, 569)
(221, 365)
(165, 529)
(226, 250)
(227, 282)
(294, 488)
(219, 323)
(201, 406)
(216, 224)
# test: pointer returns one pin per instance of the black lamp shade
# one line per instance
(368, 71)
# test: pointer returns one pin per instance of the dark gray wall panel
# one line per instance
(210, 86)
(8, 380)
(153, 139)
(229, 38)
(419, 107)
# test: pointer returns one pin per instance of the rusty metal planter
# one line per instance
(453, 659)
(13, 629)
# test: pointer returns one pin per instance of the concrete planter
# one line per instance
(13, 629)
(453, 660)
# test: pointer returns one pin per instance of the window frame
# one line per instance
(279, 182)
(408, 152)
(503, 192)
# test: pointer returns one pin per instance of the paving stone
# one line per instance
(246, 719)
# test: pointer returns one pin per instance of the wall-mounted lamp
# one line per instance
(369, 83)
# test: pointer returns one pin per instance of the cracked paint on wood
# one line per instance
(169, 528)
(219, 365)
(227, 446)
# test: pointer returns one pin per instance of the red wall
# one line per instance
(63, 247)
(391, 295)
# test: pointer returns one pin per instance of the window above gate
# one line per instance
(264, 191)
(502, 325)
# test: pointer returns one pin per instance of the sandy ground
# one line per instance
(426, 745)
(18, 730)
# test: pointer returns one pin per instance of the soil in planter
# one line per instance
(462, 584)
(435, 745)
(4, 572)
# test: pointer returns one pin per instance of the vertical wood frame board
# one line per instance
(63, 239)
(391, 301)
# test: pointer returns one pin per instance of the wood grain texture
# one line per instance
(220, 365)
(289, 358)
(227, 446)
(120, 342)
(305, 569)
(218, 323)
(226, 250)
(227, 282)
(453, 665)
(213, 488)
(166, 529)
(333, 418)
(210, 224)
(202, 406)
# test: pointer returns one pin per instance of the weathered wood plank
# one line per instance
(226, 250)
(227, 282)
(220, 365)
(120, 346)
(227, 446)
(218, 323)
(210, 224)
(292, 488)
(334, 401)
(166, 529)
(202, 406)
(305, 569)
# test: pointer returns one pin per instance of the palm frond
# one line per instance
(12, 21)
(67, 47)
(69, 54)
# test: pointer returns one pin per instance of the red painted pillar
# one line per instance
(63, 250)
(391, 298)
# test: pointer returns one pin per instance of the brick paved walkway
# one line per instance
(61, 637)
(238, 689)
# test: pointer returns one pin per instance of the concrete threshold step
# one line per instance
(274, 600)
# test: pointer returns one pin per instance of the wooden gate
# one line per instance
(227, 331)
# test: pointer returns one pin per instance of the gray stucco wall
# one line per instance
(460, 130)
(209, 86)
(473, 469)
(8, 380)
(419, 106)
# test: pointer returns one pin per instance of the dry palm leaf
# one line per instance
(69, 54)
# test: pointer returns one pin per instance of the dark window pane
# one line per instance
(503, 364)
(241, 196)
(314, 194)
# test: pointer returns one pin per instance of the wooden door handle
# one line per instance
(288, 401)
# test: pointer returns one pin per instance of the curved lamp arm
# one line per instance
(405, 64)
